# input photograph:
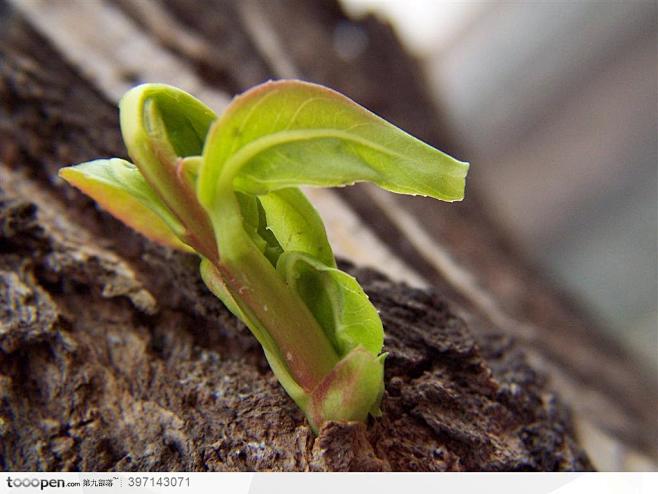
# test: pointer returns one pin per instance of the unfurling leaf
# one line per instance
(336, 300)
(296, 225)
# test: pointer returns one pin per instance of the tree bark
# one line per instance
(113, 355)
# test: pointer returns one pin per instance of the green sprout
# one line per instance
(226, 188)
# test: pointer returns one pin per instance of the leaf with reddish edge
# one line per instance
(161, 127)
(118, 187)
(352, 390)
(291, 133)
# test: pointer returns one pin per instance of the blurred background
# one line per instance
(556, 106)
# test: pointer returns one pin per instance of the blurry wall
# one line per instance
(556, 103)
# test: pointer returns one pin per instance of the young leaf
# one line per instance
(290, 133)
(353, 389)
(296, 224)
(250, 210)
(336, 300)
(161, 126)
(120, 189)
(186, 120)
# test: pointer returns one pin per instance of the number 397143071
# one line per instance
(158, 481)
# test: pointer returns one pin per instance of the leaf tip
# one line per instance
(66, 173)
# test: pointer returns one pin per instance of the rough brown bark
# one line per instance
(114, 356)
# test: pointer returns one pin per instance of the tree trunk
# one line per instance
(113, 355)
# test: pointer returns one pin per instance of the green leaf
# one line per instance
(336, 300)
(120, 189)
(296, 224)
(161, 126)
(251, 218)
(186, 119)
(290, 133)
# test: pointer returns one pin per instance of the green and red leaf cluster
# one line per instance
(227, 188)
